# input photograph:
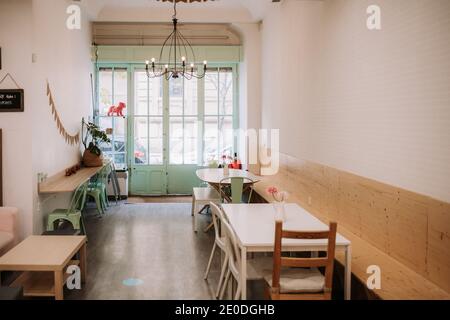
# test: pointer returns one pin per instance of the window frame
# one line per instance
(96, 111)
(131, 68)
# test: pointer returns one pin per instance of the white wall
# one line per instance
(374, 103)
(15, 40)
(64, 58)
(32, 143)
(249, 81)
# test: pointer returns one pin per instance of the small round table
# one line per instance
(214, 176)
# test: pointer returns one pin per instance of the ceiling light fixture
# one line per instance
(179, 55)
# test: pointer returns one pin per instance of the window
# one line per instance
(113, 90)
(218, 118)
(180, 122)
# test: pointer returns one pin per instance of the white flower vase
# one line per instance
(280, 212)
(226, 170)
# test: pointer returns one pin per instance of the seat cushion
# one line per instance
(6, 242)
(296, 280)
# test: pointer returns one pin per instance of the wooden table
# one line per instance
(254, 225)
(44, 260)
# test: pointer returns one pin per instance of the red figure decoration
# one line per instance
(117, 110)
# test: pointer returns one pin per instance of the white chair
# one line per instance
(201, 197)
(256, 268)
(219, 241)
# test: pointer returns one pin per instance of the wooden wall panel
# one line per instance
(411, 228)
(438, 249)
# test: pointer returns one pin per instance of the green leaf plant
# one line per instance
(93, 137)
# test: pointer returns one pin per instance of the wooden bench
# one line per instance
(406, 234)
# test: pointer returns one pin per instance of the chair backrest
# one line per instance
(217, 217)
(237, 188)
(103, 174)
(78, 198)
(232, 249)
(327, 262)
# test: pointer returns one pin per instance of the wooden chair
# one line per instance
(297, 282)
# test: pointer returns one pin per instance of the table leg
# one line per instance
(244, 273)
(83, 263)
(348, 273)
(59, 285)
(194, 214)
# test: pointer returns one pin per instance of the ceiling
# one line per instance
(238, 11)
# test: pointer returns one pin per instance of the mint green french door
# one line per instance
(147, 156)
(165, 135)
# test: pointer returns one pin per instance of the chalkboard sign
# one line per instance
(11, 100)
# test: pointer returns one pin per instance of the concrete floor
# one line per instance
(152, 247)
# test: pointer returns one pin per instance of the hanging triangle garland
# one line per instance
(70, 139)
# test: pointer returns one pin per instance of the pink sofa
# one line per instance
(8, 229)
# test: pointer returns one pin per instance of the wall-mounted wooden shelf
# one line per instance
(59, 183)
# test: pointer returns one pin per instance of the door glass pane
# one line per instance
(211, 139)
(105, 123)
(121, 88)
(190, 140)
(141, 93)
(156, 141)
(156, 96)
(140, 140)
(105, 90)
(225, 91)
(226, 136)
(176, 140)
(211, 92)
(120, 160)
(120, 134)
(190, 97)
(176, 96)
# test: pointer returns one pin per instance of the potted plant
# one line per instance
(92, 156)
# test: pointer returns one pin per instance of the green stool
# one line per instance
(73, 213)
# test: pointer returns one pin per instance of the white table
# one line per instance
(213, 176)
(254, 225)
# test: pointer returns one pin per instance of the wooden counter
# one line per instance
(59, 183)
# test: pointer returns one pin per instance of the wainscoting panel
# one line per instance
(411, 228)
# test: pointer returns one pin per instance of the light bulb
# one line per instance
(153, 60)
(147, 62)
(183, 58)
